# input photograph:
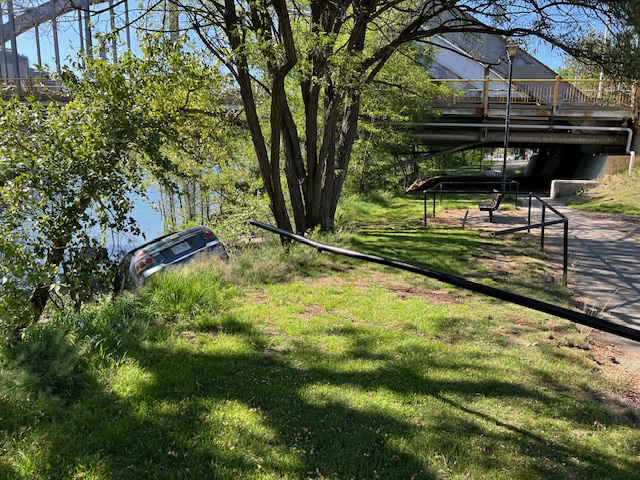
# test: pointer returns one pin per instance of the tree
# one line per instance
(68, 171)
(400, 94)
(331, 49)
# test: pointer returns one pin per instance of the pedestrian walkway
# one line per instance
(604, 264)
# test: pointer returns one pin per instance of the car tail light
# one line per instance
(142, 260)
(207, 233)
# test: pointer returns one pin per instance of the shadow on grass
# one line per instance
(298, 420)
(436, 248)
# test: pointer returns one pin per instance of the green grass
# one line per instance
(327, 368)
(615, 194)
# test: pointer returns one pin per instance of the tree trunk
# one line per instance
(40, 293)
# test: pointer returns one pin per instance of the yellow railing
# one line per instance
(548, 92)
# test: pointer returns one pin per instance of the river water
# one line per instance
(147, 214)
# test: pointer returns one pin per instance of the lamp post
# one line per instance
(512, 49)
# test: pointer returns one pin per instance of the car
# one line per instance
(177, 248)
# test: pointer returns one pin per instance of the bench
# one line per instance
(492, 206)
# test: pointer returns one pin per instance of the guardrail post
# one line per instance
(565, 264)
(544, 211)
(425, 208)
(529, 217)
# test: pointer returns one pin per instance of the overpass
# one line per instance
(581, 128)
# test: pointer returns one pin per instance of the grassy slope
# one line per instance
(315, 367)
(615, 194)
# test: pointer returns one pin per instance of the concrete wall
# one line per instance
(550, 169)
(563, 188)
(602, 165)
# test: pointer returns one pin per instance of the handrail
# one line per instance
(438, 189)
(572, 315)
(544, 223)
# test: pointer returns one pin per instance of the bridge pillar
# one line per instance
(553, 162)
(599, 166)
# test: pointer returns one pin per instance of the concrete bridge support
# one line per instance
(571, 162)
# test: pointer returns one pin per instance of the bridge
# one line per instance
(579, 128)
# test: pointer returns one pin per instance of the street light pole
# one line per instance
(512, 49)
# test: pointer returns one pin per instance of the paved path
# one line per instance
(604, 264)
(604, 256)
(604, 268)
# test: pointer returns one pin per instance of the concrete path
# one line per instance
(604, 264)
(604, 268)
(604, 255)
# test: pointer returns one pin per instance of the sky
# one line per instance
(69, 40)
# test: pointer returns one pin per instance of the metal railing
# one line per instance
(40, 87)
(572, 315)
(490, 186)
(549, 92)
(438, 189)
(554, 92)
(541, 225)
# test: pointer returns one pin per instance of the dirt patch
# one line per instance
(434, 296)
(621, 359)
(476, 220)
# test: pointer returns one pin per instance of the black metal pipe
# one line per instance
(565, 245)
(527, 227)
(565, 257)
(574, 316)
(425, 208)
(465, 192)
(550, 207)
(529, 218)
(544, 211)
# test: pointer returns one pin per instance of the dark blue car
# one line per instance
(156, 255)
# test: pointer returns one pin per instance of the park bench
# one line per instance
(492, 206)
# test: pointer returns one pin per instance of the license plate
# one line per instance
(180, 248)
